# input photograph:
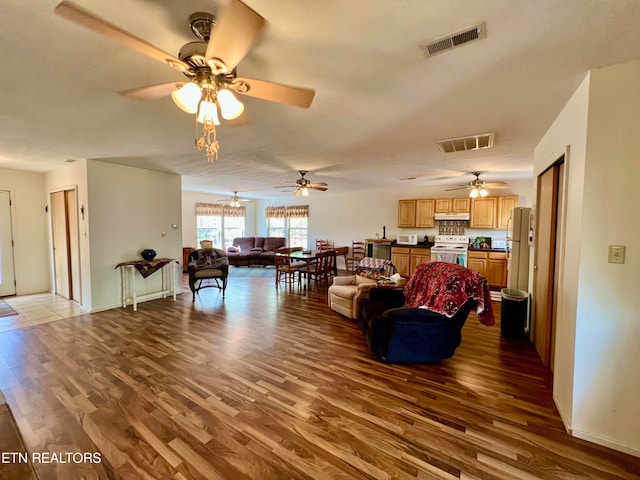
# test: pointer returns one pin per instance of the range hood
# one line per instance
(452, 216)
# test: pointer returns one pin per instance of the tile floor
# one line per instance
(36, 309)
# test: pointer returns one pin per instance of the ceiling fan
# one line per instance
(477, 187)
(209, 65)
(303, 185)
(235, 200)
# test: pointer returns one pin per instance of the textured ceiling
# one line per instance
(380, 105)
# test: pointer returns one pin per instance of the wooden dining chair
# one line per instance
(319, 272)
(357, 254)
(286, 271)
(324, 245)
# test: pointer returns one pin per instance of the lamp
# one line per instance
(187, 97)
(304, 191)
(202, 97)
(230, 107)
(234, 203)
(478, 191)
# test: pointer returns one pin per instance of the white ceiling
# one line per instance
(380, 105)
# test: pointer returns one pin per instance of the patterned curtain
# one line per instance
(275, 212)
(230, 211)
(213, 209)
(298, 211)
(295, 211)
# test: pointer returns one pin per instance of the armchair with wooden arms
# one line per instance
(208, 264)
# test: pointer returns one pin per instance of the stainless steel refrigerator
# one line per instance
(518, 249)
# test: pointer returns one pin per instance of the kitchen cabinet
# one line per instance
(406, 213)
(416, 213)
(406, 259)
(400, 258)
(492, 265)
(505, 205)
(425, 210)
(483, 212)
(492, 212)
(452, 205)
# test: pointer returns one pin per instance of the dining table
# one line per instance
(307, 256)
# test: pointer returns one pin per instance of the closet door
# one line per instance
(7, 272)
(60, 237)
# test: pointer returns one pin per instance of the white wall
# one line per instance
(606, 386)
(29, 221)
(127, 211)
(73, 175)
(597, 359)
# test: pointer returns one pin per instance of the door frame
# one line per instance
(74, 253)
(12, 216)
(557, 297)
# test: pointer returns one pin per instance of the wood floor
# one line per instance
(270, 384)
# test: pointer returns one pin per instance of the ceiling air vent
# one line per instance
(471, 142)
(454, 40)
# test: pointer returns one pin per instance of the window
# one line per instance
(209, 227)
(298, 232)
(219, 223)
(288, 222)
(233, 227)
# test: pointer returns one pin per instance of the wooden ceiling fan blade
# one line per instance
(316, 186)
(151, 92)
(278, 92)
(458, 188)
(88, 20)
(496, 185)
(236, 30)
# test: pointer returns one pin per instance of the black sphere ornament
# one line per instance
(148, 254)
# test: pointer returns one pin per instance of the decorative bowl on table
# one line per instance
(148, 254)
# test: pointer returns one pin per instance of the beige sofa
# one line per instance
(346, 291)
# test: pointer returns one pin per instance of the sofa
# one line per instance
(250, 251)
(424, 322)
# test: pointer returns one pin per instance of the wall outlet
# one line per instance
(616, 253)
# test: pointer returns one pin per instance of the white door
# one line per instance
(7, 273)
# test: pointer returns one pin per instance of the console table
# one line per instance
(146, 269)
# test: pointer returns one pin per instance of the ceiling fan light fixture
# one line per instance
(305, 191)
(187, 97)
(230, 106)
(484, 192)
(473, 193)
(207, 109)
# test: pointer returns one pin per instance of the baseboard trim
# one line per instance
(606, 442)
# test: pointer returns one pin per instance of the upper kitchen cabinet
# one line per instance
(452, 205)
(483, 212)
(406, 213)
(416, 213)
(492, 212)
(506, 205)
(425, 210)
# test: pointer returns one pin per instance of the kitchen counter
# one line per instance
(474, 249)
(418, 245)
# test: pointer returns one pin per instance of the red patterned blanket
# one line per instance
(444, 287)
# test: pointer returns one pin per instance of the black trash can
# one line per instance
(513, 314)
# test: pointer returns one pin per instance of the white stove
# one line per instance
(450, 248)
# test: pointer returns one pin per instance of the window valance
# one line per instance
(219, 210)
(294, 211)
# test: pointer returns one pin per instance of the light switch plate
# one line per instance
(616, 253)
